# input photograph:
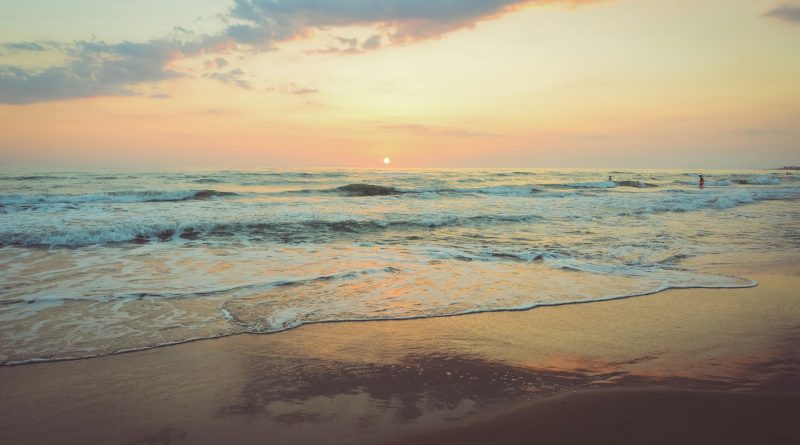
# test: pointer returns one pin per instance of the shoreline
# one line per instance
(753, 283)
(378, 381)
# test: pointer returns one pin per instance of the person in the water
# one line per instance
(702, 182)
(609, 178)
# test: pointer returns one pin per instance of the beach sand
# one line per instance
(682, 366)
(637, 416)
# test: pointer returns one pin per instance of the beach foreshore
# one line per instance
(681, 366)
(636, 416)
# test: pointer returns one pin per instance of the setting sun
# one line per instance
(387, 161)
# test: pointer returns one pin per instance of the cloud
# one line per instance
(351, 42)
(331, 49)
(95, 68)
(215, 64)
(25, 46)
(788, 12)
(301, 90)
(210, 111)
(265, 22)
(234, 77)
(758, 131)
(351, 46)
(427, 130)
(335, 50)
(293, 88)
(371, 43)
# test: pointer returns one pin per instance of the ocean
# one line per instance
(97, 263)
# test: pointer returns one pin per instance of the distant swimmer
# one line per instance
(609, 178)
(702, 182)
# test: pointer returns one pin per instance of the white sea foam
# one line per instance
(764, 180)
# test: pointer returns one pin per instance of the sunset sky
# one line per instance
(428, 83)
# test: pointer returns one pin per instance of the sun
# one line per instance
(387, 161)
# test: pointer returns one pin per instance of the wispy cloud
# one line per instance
(351, 46)
(25, 46)
(210, 111)
(787, 12)
(215, 64)
(758, 131)
(436, 131)
(293, 88)
(235, 77)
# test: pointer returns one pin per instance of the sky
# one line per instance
(427, 83)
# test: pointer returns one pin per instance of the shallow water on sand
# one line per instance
(98, 263)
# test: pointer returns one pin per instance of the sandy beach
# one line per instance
(634, 416)
(683, 365)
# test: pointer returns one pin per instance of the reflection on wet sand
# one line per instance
(367, 401)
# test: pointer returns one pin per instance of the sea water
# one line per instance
(95, 263)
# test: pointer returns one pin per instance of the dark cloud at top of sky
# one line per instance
(787, 12)
(269, 21)
(96, 68)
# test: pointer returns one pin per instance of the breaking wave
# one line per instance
(296, 231)
(114, 197)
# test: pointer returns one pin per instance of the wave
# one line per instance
(249, 312)
(30, 178)
(366, 190)
(287, 232)
(637, 184)
(356, 190)
(50, 301)
(739, 180)
(114, 197)
(319, 228)
(594, 185)
(687, 201)
(360, 190)
(759, 180)
(607, 184)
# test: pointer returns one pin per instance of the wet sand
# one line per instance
(629, 416)
(683, 361)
